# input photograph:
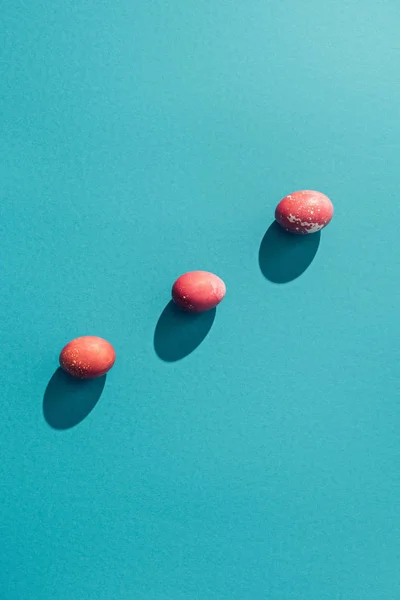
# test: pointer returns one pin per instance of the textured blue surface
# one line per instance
(143, 139)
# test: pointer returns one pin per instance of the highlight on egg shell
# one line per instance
(198, 291)
(304, 212)
(87, 357)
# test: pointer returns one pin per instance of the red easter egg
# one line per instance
(198, 291)
(304, 212)
(87, 357)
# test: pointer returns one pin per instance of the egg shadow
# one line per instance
(67, 401)
(178, 333)
(284, 256)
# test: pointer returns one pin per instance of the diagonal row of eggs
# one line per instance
(304, 212)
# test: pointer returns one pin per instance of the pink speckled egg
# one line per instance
(198, 291)
(87, 357)
(304, 212)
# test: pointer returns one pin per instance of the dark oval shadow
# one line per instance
(178, 333)
(67, 401)
(284, 256)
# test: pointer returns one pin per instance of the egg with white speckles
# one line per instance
(198, 291)
(87, 357)
(304, 212)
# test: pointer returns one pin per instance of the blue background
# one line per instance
(144, 139)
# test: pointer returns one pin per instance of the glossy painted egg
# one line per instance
(198, 291)
(87, 357)
(304, 212)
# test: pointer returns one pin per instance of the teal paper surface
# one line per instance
(250, 454)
